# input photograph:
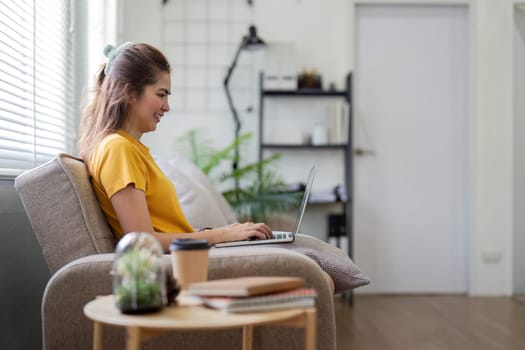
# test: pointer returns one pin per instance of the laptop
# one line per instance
(280, 236)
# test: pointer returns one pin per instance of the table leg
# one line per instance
(98, 336)
(310, 330)
(247, 337)
(133, 338)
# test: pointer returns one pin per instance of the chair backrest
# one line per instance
(64, 212)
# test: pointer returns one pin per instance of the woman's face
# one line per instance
(147, 109)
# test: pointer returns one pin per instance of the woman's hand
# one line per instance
(244, 231)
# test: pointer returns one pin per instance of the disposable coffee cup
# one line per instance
(189, 261)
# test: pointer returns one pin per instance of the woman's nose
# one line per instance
(166, 106)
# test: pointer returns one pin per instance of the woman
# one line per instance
(131, 97)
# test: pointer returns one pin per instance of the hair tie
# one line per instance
(111, 52)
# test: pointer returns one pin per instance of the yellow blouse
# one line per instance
(120, 160)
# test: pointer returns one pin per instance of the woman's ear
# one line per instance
(131, 95)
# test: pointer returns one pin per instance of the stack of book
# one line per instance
(248, 294)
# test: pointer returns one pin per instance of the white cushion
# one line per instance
(202, 204)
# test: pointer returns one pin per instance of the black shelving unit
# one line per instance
(346, 148)
(305, 93)
(286, 146)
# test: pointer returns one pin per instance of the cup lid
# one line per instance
(189, 244)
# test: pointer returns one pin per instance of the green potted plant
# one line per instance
(262, 191)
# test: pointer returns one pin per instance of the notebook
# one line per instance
(245, 286)
(281, 236)
(295, 298)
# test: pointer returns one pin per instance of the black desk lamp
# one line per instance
(249, 42)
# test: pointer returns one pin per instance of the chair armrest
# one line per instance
(66, 293)
(81, 280)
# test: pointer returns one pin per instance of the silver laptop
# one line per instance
(280, 236)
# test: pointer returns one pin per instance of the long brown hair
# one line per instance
(135, 67)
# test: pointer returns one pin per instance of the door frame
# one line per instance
(517, 260)
(470, 242)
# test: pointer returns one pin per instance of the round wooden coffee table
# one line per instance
(188, 315)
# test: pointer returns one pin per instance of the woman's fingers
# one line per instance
(250, 229)
(263, 229)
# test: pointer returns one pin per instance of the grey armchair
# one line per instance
(78, 246)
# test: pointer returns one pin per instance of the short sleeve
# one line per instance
(121, 165)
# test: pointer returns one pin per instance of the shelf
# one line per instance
(304, 93)
(314, 199)
(335, 150)
(326, 202)
(289, 146)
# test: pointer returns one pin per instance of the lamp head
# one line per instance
(252, 41)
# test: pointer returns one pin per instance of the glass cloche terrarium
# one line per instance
(139, 280)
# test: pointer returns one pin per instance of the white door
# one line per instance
(411, 112)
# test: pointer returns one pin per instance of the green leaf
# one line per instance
(262, 191)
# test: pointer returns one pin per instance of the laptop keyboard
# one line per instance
(279, 235)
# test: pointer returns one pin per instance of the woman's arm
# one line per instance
(133, 215)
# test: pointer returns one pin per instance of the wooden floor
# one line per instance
(451, 322)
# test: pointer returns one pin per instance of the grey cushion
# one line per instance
(345, 274)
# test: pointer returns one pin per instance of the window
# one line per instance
(49, 54)
(36, 79)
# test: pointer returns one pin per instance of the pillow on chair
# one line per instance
(345, 274)
(202, 204)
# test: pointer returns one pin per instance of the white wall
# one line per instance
(323, 35)
(139, 21)
(320, 33)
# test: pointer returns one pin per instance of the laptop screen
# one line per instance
(304, 202)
